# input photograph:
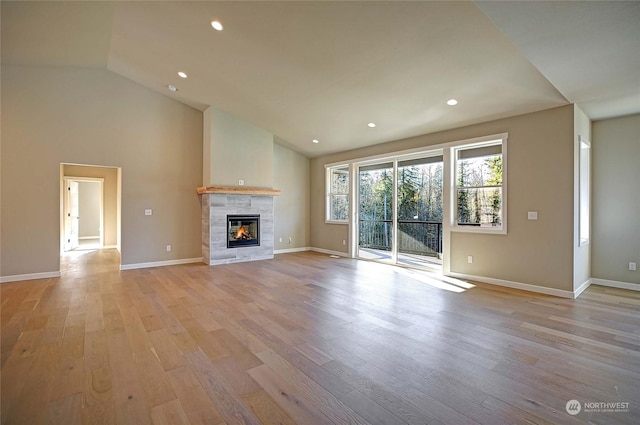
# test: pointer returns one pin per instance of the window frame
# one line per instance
(495, 140)
(329, 195)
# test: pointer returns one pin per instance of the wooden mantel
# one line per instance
(238, 190)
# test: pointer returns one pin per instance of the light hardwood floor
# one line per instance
(308, 339)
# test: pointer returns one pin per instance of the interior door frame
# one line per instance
(63, 208)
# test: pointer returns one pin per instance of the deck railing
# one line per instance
(414, 237)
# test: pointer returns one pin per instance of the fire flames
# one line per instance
(242, 233)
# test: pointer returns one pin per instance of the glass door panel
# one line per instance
(420, 187)
(375, 212)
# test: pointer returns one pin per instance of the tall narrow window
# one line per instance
(479, 193)
(338, 194)
(585, 177)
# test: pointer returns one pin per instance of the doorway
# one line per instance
(89, 207)
(400, 211)
(83, 213)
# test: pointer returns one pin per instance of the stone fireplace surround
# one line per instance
(220, 201)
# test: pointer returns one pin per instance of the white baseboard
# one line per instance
(110, 247)
(88, 237)
(288, 250)
(581, 288)
(616, 284)
(330, 252)
(29, 276)
(160, 263)
(516, 285)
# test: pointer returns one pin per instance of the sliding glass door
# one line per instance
(400, 212)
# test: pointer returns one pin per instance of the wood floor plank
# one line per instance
(169, 413)
(266, 409)
(337, 411)
(230, 405)
(16, 370)
(164, 348)
(129, 396)
(155, 383)
(285, 395)
(307, 339)
(69, 374)
(98, 403)
(192, 396)
(66, 410)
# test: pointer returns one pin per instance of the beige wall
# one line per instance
(291, 176)
(235, 150)
(540, 178)
(110, 188)
(91, 116)
(616, 199)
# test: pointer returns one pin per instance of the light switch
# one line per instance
(148, 212)
(532, 215)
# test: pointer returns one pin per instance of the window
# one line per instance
(480, 198)
(338, 194)
(584, 192)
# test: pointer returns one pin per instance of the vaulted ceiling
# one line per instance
(324, 70)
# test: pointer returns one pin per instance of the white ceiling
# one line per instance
(323, 70)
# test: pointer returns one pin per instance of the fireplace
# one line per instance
(243, 231)
(227, 208)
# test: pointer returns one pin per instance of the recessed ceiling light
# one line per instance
(371, 124)
(182, 74)
(172, 87)
(452, 102)
(217, 25)
(316, 141)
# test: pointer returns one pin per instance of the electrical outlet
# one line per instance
(148, 212)
(532, 215)
(470, 259)
(240, 182)
(280, 240)
(632, 266)
(344, 242)
(169, 248)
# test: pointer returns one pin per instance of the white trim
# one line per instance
(29, 276)
(110, 247)
(328, 194)
(89, 237)
(479, 142)
(616, 284)
(160, 263)
(581, 288)
(516, 285)
(288, 250)
(330, 252)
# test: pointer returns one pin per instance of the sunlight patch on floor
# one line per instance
(437, 281)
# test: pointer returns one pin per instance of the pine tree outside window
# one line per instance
(338, 194)
(480, 196)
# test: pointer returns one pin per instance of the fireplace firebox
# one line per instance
(243, 231)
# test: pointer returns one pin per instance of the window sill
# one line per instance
(483, 230)
(335, 222)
